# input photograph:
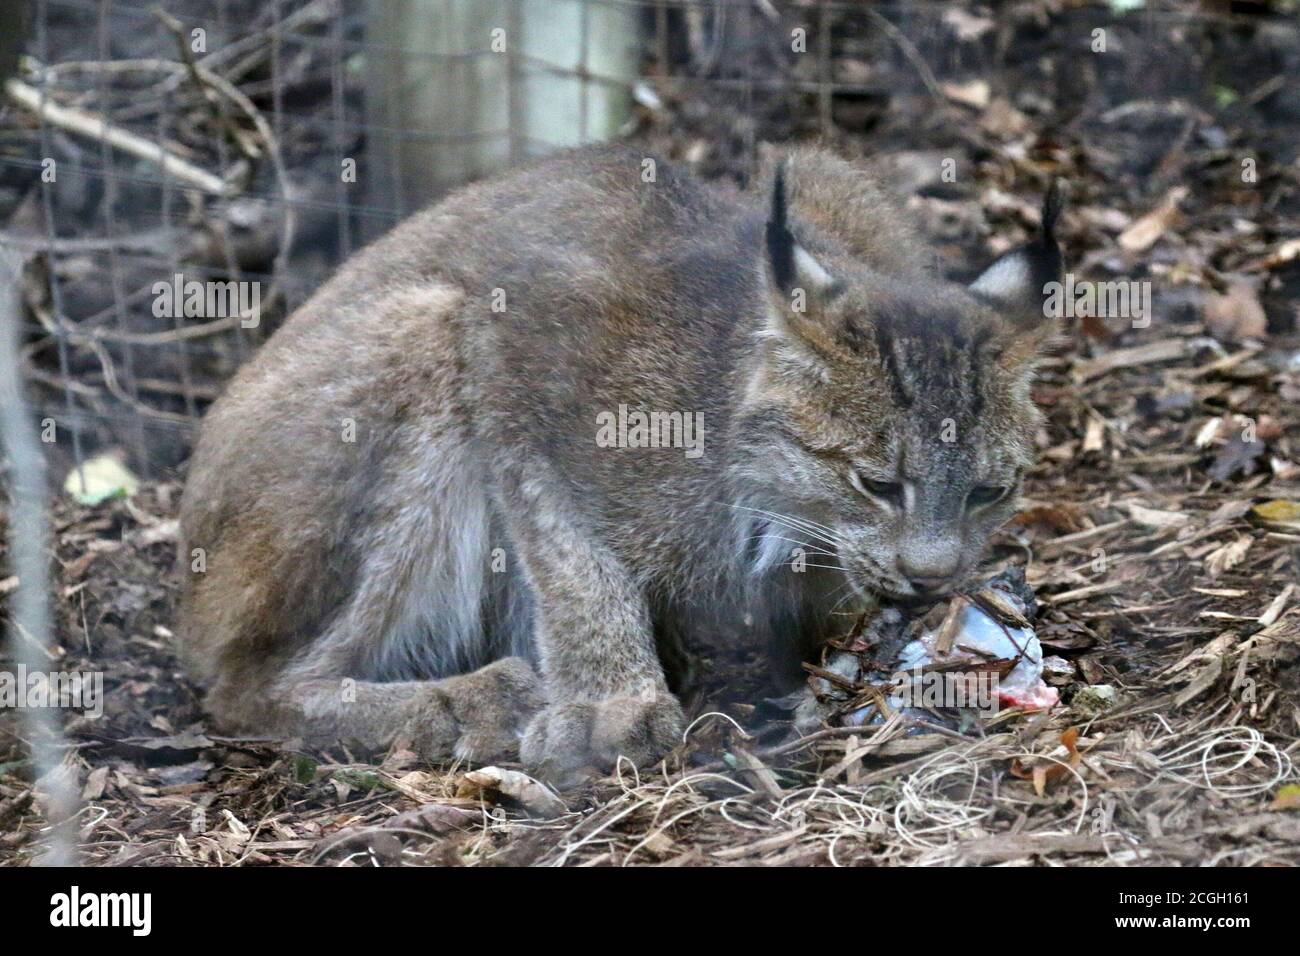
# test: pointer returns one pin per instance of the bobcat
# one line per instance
(431, 509)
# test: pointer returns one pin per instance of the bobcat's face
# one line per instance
(890, 423)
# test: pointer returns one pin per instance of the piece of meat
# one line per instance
(981, 639)
(977, 652)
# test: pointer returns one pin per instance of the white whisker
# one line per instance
(812, 549)
(849, 592)
(812, 529)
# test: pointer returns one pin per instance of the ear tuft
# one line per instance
(780, 241)
(790, 266)
(801, 290)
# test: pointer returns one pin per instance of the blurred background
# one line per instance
(264, 141)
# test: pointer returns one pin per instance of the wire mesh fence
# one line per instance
(168, 173)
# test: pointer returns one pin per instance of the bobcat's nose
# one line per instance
(928, 585)
(929, 576)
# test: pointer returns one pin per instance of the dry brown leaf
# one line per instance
(1045, 773)
(1146, 231)
(1154, 518)
(1235, 315)
(1227, 556)
(96, 784)
(1062, 518)
(1094, 327)
(1268, 428)
(535, 797)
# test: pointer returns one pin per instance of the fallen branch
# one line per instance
(96, 127)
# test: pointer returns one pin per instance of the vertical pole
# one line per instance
(583, 58)
(470, 101)
(29, 613)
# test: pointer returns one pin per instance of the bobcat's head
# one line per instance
(888, 420)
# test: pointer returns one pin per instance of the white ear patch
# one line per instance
(809, 270)
(1006, 279)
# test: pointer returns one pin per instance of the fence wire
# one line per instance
(214, 140)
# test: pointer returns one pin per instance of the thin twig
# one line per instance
(912, 54)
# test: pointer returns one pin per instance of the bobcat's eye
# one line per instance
(890, 492)
(983, 495)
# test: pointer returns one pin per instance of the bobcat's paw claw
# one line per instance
(479, 716)
(565, 741)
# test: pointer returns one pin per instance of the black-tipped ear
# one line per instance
(800, 289)
(780, 241)
(792, 268)
(1016, 280)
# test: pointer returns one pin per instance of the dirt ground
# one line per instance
(1161, 534)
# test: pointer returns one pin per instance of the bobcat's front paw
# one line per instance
(567, 738)
(492, 706)
(478, 716)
